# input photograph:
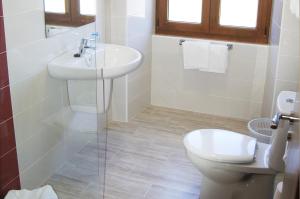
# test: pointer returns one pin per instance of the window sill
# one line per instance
(208, 39)
(226, 38)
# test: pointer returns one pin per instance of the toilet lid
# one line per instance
(221, 145)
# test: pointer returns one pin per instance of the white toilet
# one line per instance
(236, 166)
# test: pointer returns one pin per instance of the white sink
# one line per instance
(108, 61)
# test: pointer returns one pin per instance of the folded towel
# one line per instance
(45, 192)
(218, 58)
(195, 54)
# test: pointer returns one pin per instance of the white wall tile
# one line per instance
(36, 97)
(24, 28)
(35, 147)
(174, 87)
(284, 59)
(288, 68)
(288, 43)
(16, 7)
(132, 24)
(118, 8)
(43, 168)
(289, 20)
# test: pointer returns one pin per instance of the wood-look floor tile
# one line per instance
(126, 187)
(85, 162)
(72, 172)
(67, 186)
(144, 158)
(63, 195)
(167, 193)
(93, 192)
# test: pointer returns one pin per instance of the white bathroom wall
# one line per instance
(140, 23)
(236, 94)
(130, 23)
(35, 95)
(116, 28)
(284, 60)
(101, 19)
(273, 58)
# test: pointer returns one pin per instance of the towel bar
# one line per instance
(181, 41)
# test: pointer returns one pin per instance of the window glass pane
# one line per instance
(88, 7)
(185, 11)
(55, 6)
(241, 13)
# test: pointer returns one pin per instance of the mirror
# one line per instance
(64, 15)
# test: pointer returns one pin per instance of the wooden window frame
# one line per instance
(72, 17)
(210, 27)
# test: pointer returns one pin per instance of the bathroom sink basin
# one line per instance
(108, 61)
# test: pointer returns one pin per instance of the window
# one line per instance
(55, 6)
(245, 10)
(70, 12)
(88, 7)
(185, 11)
(235, 20)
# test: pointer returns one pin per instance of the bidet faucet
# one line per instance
(276, 120)
(278, 116)
(84, 44)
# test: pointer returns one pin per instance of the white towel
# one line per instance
(218, 58)
(45, 192)
(195, 54)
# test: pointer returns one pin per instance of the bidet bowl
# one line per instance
(259, 128)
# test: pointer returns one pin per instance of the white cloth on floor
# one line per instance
(45, 192)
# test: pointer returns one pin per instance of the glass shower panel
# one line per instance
(104, 94)
(80, 172)
(83, 173)
(104, 88)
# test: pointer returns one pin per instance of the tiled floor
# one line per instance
(145, 159)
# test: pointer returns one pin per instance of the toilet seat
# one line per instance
(221, 146)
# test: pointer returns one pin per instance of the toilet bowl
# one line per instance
(234, 166)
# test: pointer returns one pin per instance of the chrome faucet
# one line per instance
(278, 116)
(84, 44)
(275, 121)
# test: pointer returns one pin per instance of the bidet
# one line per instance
(281, 122)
